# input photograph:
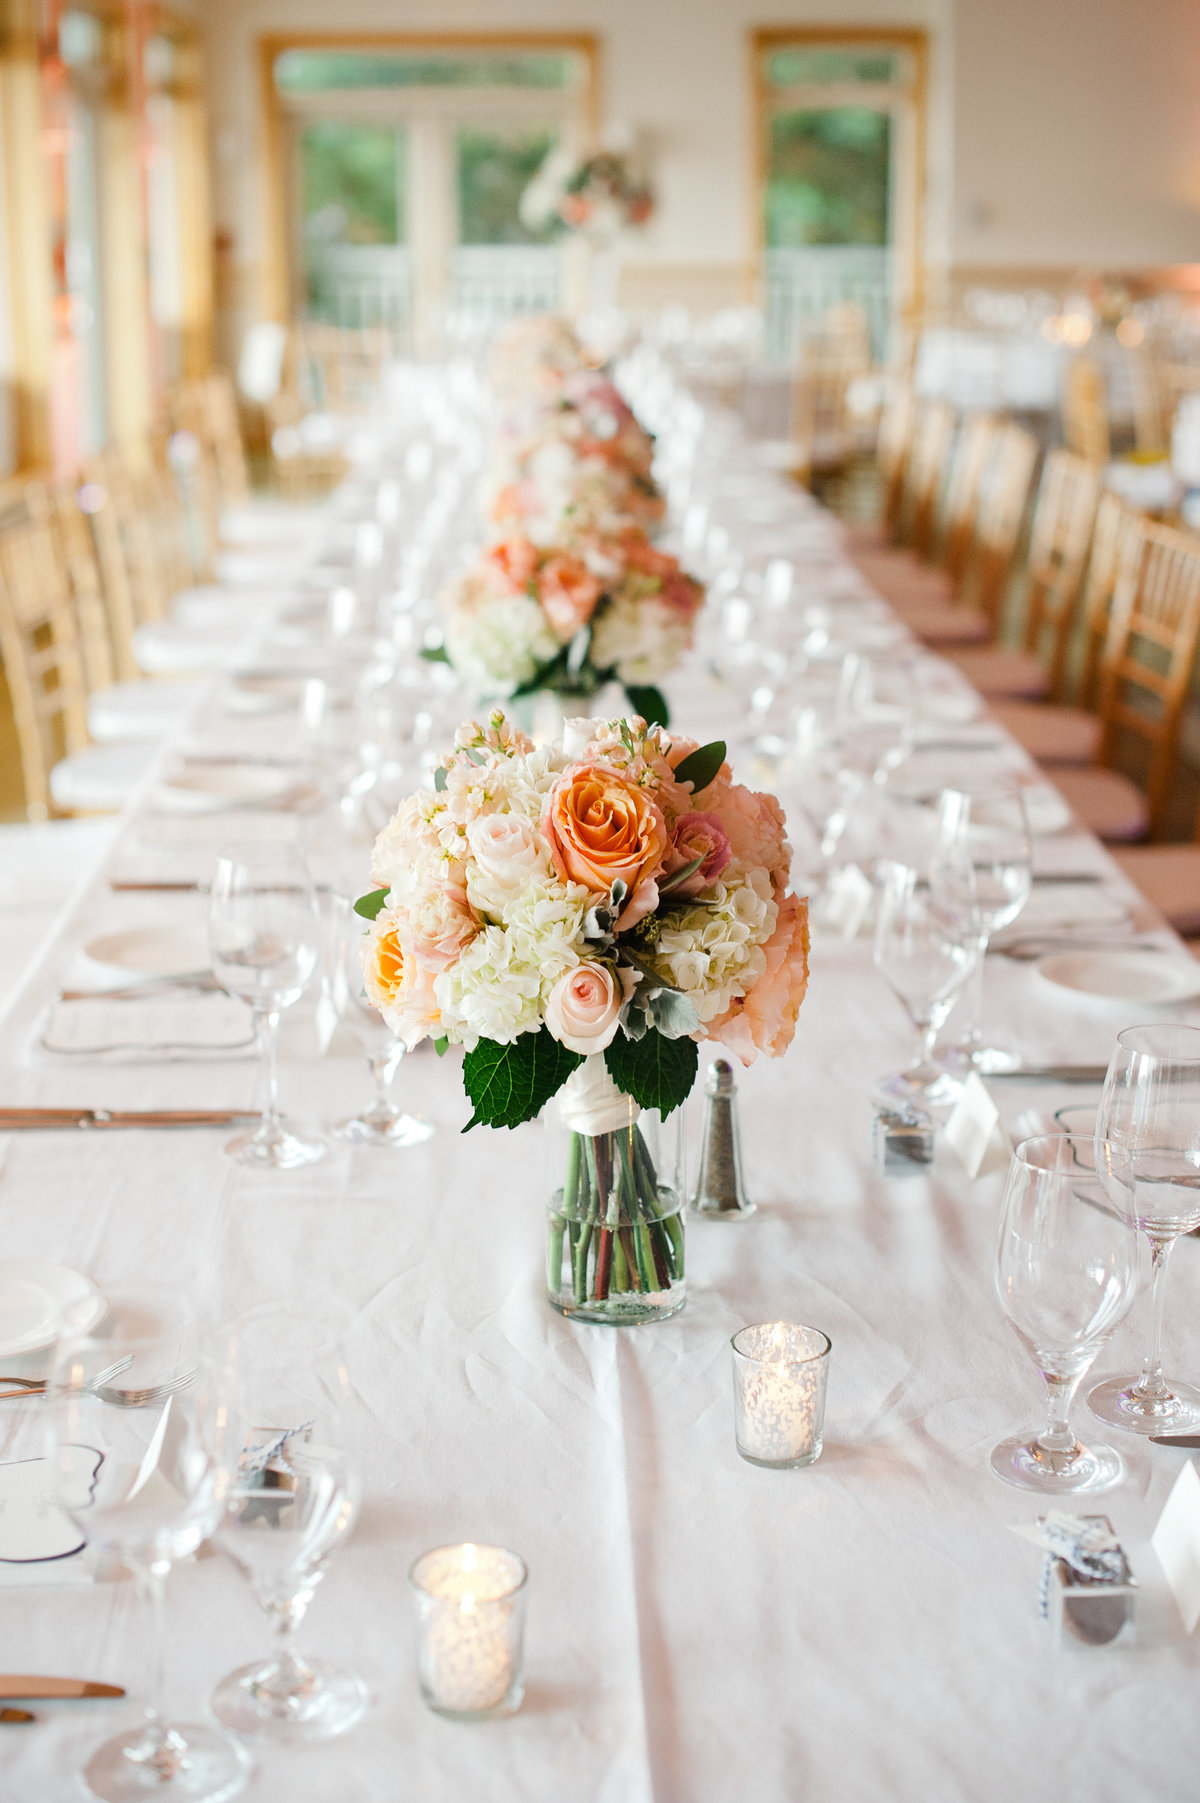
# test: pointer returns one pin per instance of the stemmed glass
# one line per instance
(265, 932)
(1066, 1275)
(292, 1494)
(1149, 1119)
(382, 1124)
(989, 824)
(133, 1463)
(924, 946)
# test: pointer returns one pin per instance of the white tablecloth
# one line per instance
(700, 1631)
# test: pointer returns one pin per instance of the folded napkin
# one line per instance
(1064, 905)
(170, 1026)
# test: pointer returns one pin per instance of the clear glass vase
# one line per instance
(614, 1247)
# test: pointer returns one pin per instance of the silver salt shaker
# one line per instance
(720, 1189)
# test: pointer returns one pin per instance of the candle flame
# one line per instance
(468, 1603)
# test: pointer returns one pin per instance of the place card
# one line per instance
(975, 1132)
(1176, 1542)
(847, 902)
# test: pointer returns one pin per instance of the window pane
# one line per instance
(827, 180)
(307, 71)
(801, 65)
(494, 169)
(352, 184)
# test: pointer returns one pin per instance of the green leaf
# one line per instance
(439, 778)
(544, 676)
(701, 765)
(369, 905)
(673, 1015)
(508, 1084)
(435, 654)
(681, 876)
(656, 1072)
(440, 1045)
(650, 703)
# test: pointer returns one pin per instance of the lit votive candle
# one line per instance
(779, 1376)
(470, 1630)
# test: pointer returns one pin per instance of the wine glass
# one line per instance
(382, 1124)
(131, 1453)
(265, 933)
(292, 1490)
(924, 946)
(988, 822)
(1066, 1275)
(1149, 1119)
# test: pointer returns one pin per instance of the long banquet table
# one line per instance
(700, 1631)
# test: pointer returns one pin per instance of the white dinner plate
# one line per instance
(269, 693)
(34, 1300)
(201, 787)
(152, 951)
(1128, 976)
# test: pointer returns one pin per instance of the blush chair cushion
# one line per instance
(999, 672)
(1106, 802)
(936, 624)
(1051, 735)
(1169, 877)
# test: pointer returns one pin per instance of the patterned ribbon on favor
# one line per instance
(1089, 1548)
(256, 1458)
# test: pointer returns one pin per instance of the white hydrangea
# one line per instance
(643, 640)
(714, 953)
(491, 991)
(502, 644)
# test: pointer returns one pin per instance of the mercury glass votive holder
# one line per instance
(780, 1371)
(470, 1630)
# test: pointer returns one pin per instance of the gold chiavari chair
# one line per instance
(892, 449)
(1058, 548)
(1059, 734)
(39, 640)
(1147, 661)
(932, 439)
(223, 438)
(78, 563)
(134, 579)
(975, 440)
(1085, 411)
(1001, 511)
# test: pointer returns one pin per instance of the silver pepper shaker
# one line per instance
(720, 1192)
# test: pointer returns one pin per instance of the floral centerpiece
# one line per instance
(578, 916)
(600, 195)
(532, 355)
(526, 618)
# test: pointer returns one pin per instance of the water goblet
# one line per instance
(1149, 1119)
(292, 1491)
(382, 1124)
(1066, 1275)
(987, 823)
(133, 1464)
(923, 947)
(265, 933)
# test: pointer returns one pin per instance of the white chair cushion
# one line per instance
(168, 649)
(101, 779)
(139, 710)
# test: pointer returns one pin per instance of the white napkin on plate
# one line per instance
(184, 1026)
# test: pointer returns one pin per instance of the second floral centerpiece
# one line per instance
(577, 916)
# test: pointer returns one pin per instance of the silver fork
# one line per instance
(36, 1386)
(140, 1399)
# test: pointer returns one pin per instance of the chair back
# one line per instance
(78, 561)
(223, 437)
(926, 473)
(1114, 520)
(962, 492)
(1004, 493)
(1150, 649)
(892, 448)
(1085, 411)
(1058, 547)
(39, 642)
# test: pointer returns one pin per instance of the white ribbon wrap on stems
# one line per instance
(590, 1102)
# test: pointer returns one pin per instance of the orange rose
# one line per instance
(568, 592)
(603, 830)
(399, 987)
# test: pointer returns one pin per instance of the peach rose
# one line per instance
(515, 559)
(568, 593)
(583, 1008)
(603, 830)
(439, 925)
(506, 849)
(399, 987)
(765, 1020)
(696, 836)
(753, 823)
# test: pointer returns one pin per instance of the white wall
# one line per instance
(1060, 131)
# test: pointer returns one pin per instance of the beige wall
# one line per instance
(1060, 131)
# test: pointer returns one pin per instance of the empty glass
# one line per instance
(132, 1458)
(988, 823)
(292, 1490)
(1149, 1118)
(924, 946)
(1066, 1274)
(382, 1124)
(265, 932)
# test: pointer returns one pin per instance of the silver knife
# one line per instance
(1190, 1442)
(14, 1119)
(1050, 1073)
